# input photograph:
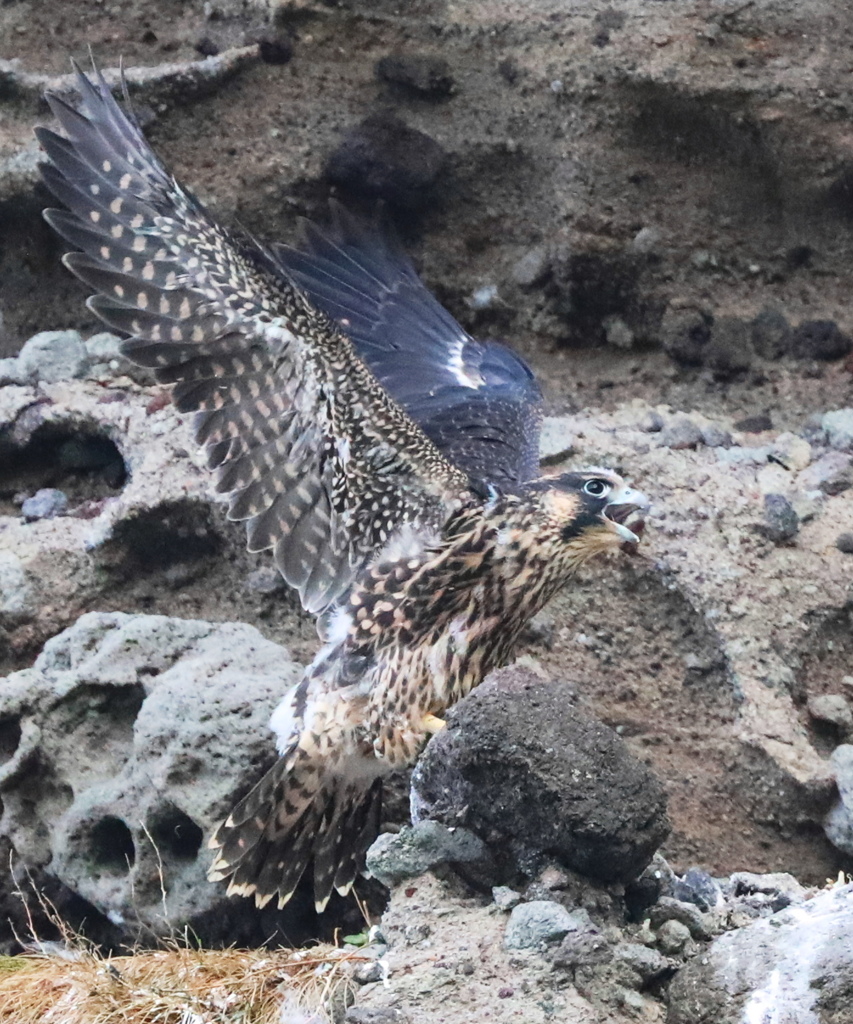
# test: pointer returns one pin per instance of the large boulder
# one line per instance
(523, 766)
(794, 966)
(123, 747)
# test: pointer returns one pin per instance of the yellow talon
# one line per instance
(431, 724)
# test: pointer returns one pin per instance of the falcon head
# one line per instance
(596, 511)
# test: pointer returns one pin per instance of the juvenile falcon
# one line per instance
(387, 459)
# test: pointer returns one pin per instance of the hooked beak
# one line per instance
(625, 511)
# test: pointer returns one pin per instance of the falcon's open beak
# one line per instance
(625, 512)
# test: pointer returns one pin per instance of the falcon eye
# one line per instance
(597, 488)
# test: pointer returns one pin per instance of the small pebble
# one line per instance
(45, 504)
(820, 339)
(844, 542)
(680, 434)
(781, 522)
(833, 709)
(265, 581)
(505, 898)
(673, 936)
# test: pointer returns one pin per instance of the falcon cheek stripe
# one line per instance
(388, 461)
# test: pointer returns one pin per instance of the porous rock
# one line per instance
(144, 730)
(522, 766)
(796, 965)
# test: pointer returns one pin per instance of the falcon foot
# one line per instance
(432, 725)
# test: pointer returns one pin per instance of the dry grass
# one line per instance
(177, 986)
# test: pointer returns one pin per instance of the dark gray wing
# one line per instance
(310, 449)
(478, 402)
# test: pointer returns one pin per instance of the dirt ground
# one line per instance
(721, 131)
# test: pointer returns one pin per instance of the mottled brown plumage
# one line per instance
(387, 459)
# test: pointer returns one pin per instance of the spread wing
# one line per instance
(312, 452)
(477, 401)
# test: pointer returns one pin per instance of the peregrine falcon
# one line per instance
(387, 459)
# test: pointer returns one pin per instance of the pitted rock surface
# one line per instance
(124, 746)
(525, 768)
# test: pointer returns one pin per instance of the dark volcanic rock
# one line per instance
(820, 339)
(781, 522)
(521, 765)
(386, 159)
(684, 333)
(771, 334)
(729, 350)
(420, 73)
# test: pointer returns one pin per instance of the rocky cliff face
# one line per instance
(652, 202)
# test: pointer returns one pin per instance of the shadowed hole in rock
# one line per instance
(101, 719)
(111, 846)
(161, 537)
(10, 737)
(82, 462)
(175, 834)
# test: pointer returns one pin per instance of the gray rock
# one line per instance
(837, 425)
(617, 332)
(831, 473)
(525, 768)
(755, 424)
(774, 883)
(646, 240)
(505, 898)
(412, 851)
(652, 422)
(681, 433)
(781, 522)
(133, 736)
(648, 963)
(18, 596)
(715, 437)
(45, 504)
(533, 267)
(425, 74)
(796, 965)
(820, 339)
(684, 333)
(844, 542)
(541, 922)
(697, 886)
(838, 823)
(673, 936)
(669, 909)
(771, 334)
(53, 356)
(266, 580)
(582, 949)
(832, 708)
(11, 372)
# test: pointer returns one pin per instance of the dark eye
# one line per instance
(597, 488)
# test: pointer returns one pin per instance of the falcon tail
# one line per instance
(297, 816)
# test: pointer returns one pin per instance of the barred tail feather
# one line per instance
(295, 816)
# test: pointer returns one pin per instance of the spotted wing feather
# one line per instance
(310, 449)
